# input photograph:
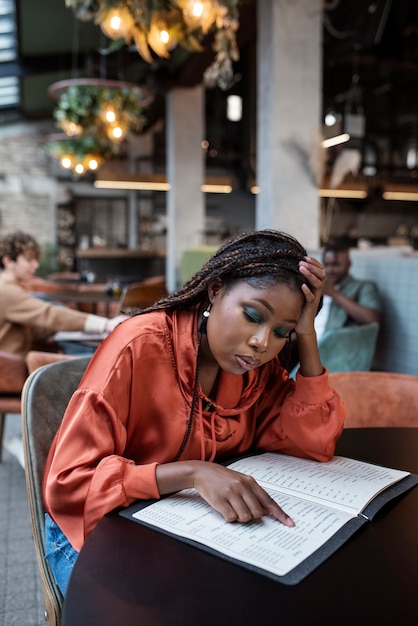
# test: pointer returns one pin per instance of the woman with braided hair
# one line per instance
(191, 381)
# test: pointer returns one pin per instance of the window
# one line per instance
(9, 84)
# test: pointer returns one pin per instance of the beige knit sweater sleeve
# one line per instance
(24, 318)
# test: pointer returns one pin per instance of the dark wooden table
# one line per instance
(130, 575)
(92, 297)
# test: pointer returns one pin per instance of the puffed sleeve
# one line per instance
(305, 419)
(87, 474)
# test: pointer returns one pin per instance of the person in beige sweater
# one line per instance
(25, 320)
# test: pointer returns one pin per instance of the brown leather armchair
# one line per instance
(13, 373)
(378, 399)
(37, 358)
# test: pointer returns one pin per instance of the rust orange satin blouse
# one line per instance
(131, 410)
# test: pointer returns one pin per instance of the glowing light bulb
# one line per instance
(160, 37)
(66, 162)
(118, 23)
(197, 9)
(164, 36)
(117, 132)
(115, 22)
(200, 14)
(79, 168)
(110, 116)
(92, 164)
(330, 119)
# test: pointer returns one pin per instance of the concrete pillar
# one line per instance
(140, 150)
(185, 174)
(289, 52)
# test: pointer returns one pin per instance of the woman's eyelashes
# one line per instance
(255, 317)
(282, 333)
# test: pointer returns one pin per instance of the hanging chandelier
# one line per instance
(79, 154)
(96, 116)
(157, 26)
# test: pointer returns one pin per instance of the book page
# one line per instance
(265, 543)
(346, 483)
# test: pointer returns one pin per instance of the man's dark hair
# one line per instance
(337, 245)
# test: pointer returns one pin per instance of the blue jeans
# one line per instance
(76, 348)
(60, 554)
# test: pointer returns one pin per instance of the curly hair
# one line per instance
(261, 258)
(14, 244)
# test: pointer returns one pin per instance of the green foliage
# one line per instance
(79, 147)
(49, 261)
(84, 105)
(81, 114)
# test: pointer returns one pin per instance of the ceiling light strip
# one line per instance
(129, 184)
(409, 196)
(342, 193)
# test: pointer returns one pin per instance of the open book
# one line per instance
(327, 501)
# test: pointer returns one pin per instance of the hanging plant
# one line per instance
(96, 115)
(79, 147)
(101, 108)
(80, 154)
(155, 27)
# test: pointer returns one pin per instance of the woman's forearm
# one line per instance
(310, 362)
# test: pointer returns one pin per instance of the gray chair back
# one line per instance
(45, 396)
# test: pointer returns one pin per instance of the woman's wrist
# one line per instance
(176, 476)
(310, 361)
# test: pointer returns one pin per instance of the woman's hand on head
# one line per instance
(314, 273)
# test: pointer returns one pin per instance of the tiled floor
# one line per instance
(21, 601)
